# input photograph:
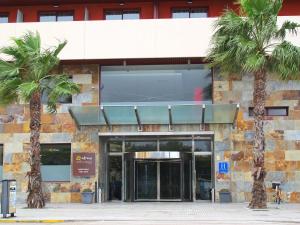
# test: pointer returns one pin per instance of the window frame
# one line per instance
(5, 14)
(267, 108)
(54, 167)
(190, 9)
(56, 14)
(212, 72)
(105, 11)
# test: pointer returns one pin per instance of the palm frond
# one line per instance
(27, 89)
(287, 26)
(8, 91)
(59, 86)
(285, 60)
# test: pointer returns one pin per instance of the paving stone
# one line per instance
(292, 135)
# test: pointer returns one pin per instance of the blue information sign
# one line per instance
(223, 167)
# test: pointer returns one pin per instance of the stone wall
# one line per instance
(282, 157)
(282, 137)
(55, 128)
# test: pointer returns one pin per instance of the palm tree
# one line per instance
(251, 42)
(24, 78)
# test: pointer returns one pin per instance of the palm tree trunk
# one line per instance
(259, 196)
(35, 198)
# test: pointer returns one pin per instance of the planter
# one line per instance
(87, 197)
(225, 197)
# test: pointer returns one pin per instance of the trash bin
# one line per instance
(8, 197)
(225, 196)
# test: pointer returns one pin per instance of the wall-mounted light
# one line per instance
(56, 6)
(122, 3)
(189, 1)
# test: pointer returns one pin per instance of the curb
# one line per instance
(30, 221)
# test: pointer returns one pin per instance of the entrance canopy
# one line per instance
(154, 114)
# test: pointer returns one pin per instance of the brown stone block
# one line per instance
(75, 197)
(19, 158)
(64, 118)
(294, 114)
(26, 127)
(13, 128)
(218, 96)
(279, 155)
(69, 128)
(243, 166)
(51, 128)
(295, 197)
(291, 165)
(248, 196)
(269, 156)
(298, 165)
(222, 176)
(270, 166)
(276, 134)
(297, 145)
(290, 176)
(227, 155)
(281, 145)
(47, 118)
(291, 95)
(14, 168)
(280, 165)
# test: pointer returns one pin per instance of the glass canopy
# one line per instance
(154, 114)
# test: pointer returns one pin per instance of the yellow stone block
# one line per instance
(62, 197)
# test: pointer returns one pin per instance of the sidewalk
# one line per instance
(160, 212)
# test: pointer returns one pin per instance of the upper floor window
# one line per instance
(56, 16)
(156, 83)
(3, 18)
(122, 15)
(189, 13)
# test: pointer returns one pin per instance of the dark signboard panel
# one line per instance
(84, 164)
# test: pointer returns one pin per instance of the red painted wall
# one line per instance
(96, 11)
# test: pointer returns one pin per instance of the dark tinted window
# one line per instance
(202, 146)
(140, 146)
(114, 146)
(175, 145)
(122, 15)
(56, 154)
(56, 16)
(3, 18)
(189, 13)
(273, 111)
(158, 83)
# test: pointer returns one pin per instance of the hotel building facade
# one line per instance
(152, 121)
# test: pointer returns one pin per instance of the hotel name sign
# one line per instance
(84, 164)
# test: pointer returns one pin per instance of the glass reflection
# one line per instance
(156, 83)
(140, 146)
(114, 146)
(175, 145)
(146, 180)
(203, 177)
(3, 19)
(202, 146)
(115, 178)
